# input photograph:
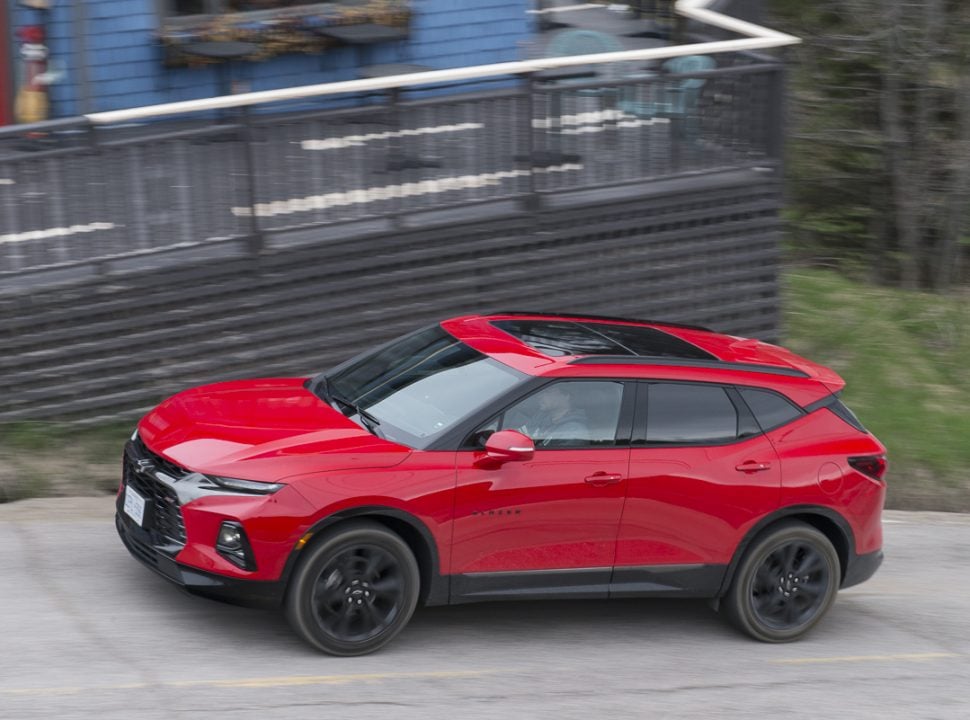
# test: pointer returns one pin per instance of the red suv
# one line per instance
(514, 456)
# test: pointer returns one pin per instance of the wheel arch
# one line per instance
(417, 536)
(826, 520)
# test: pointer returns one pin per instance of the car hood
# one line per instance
(261, 430)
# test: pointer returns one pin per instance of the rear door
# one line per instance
(550, 523)
(701, 473)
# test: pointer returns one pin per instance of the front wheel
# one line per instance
(786, 582)
(354, 590)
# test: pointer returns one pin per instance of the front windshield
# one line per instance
(419, 387)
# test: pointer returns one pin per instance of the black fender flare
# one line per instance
(792, 511)
(437, 590)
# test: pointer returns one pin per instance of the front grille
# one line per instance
(166, 466)
(164, 516)
(142, 550)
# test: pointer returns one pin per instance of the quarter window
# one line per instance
(770, 409)
(690, 414)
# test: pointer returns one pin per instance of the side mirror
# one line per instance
(509, 446)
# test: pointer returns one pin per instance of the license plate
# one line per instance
(134, 505)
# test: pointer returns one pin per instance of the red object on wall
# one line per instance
(32, 104)
(6, 72)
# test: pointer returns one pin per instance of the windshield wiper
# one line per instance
(370, 422)
(320, 386)
(367, 420)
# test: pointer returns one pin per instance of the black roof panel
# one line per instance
(565, 337)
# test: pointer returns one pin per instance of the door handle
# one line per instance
(601, 479)
(752, 466)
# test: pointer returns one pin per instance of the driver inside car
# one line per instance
(549, 418)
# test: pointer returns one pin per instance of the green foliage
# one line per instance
(875, 116)
(903, 356)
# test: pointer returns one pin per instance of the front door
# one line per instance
(547, 525)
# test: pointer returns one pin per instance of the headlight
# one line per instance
(134, 434)
(254, 487)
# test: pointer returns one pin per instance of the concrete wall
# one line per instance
(114, 42)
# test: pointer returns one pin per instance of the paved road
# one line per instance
(86, 632)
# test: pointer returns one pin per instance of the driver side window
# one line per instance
(565, 414)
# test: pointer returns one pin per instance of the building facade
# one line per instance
(115, 54)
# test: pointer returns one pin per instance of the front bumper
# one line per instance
(180, 507)
(252, 593)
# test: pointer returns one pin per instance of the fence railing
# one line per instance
(238, 171)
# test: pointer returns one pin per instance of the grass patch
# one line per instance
(40, 459)
(904, 359)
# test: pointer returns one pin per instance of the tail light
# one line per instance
(873, 466)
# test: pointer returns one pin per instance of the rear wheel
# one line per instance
(786, 582)
(354, 590)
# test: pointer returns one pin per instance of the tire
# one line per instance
(786, 582)
(354, 590)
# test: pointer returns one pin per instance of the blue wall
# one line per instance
(124, 58)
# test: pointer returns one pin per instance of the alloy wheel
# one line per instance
(790, 585)
(359, 593)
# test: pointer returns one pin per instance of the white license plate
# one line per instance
(134, 505)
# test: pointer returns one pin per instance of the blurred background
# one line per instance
(813, 194)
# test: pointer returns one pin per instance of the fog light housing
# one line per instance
(232, 544)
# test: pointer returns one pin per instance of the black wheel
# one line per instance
(785, 583)
(354, 590)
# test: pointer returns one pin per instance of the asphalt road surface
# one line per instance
(87, 632)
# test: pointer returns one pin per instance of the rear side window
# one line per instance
(770, 409)
(690, 414)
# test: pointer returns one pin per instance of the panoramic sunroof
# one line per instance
(563, 337)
